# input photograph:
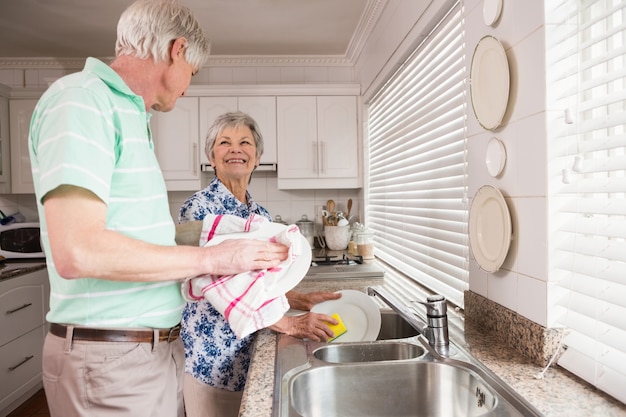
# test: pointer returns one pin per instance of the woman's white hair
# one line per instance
(147, 28)
(232, 120)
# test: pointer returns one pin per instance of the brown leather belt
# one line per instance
(115, 335)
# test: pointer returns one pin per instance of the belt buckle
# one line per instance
(173, 334)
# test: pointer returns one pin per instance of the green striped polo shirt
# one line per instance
(91, 131)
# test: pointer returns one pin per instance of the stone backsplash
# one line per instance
(530, 339)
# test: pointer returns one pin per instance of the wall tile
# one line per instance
(532, 295)
(273, 193)
(527, 66)
(316, 75)
(12, 78)
(220, 75)
(478, 279)
(340, 75)
(529, 156)
(532, 237)
(268, 75)
(292, 75)
(244, 75)
(502, 288)
(300, 207)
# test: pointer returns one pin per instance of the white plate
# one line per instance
(489, 228)
(495, 157)
(489, 82)
(297, 269)
(491, 11)
(359, 313)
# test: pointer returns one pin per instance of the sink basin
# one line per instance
(425, 389)
(368, 352)
(392, 326)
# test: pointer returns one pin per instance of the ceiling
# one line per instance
(81, 28)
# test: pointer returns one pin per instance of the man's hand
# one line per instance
(234, 256)
(306, 301)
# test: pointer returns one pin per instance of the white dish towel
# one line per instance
(243, 298)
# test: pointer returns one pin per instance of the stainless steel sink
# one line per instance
(392, 326)
(368, 352)
(398, 375)
(392, 389)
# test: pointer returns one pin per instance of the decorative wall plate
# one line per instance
(491, 11)
(489, 228)
(489, 82)
(495, 157)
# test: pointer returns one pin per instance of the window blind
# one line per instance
(416, 184)
(586, 77)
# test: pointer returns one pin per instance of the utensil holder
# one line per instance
(337, 237)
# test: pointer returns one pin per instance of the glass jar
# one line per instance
(279, 219)
(365, 244)
(354, 229)
(307, 228)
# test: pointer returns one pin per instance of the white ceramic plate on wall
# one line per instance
(489, 82)
(489, 228)
(495, 157)
(491, 11)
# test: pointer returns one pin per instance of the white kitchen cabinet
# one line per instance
(317, 142)
(176, 143)
(24, 304)
(261, 108)
(20, 112)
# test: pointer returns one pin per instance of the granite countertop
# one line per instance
(558, 394)
(13, 269)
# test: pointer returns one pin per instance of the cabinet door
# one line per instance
(297, 137)
(20, 361)
(20, 113)
(263, 111)
(176, 140)
(5, 166)
(337, 137)
(210, 108)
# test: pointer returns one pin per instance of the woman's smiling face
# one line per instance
(235, 153)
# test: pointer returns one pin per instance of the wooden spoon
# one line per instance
(349, 206)
(330, 206)
(332, 218)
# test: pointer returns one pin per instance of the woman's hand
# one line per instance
(311, 326)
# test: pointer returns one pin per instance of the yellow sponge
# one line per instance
(338, 328)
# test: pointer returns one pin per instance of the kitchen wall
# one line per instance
(522, 284)
(289, 204)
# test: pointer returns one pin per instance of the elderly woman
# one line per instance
(217, 362)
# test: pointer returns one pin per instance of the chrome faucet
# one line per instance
(435, 330)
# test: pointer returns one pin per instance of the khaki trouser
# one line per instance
(116, 379)
(202, 400)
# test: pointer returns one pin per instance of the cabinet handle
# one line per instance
(26, 359)
(15, 310)
(315, 156)
(195, 159)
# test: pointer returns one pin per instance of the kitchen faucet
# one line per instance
(436, 328)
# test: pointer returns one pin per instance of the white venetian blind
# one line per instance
(587, 78)
(415, 196)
